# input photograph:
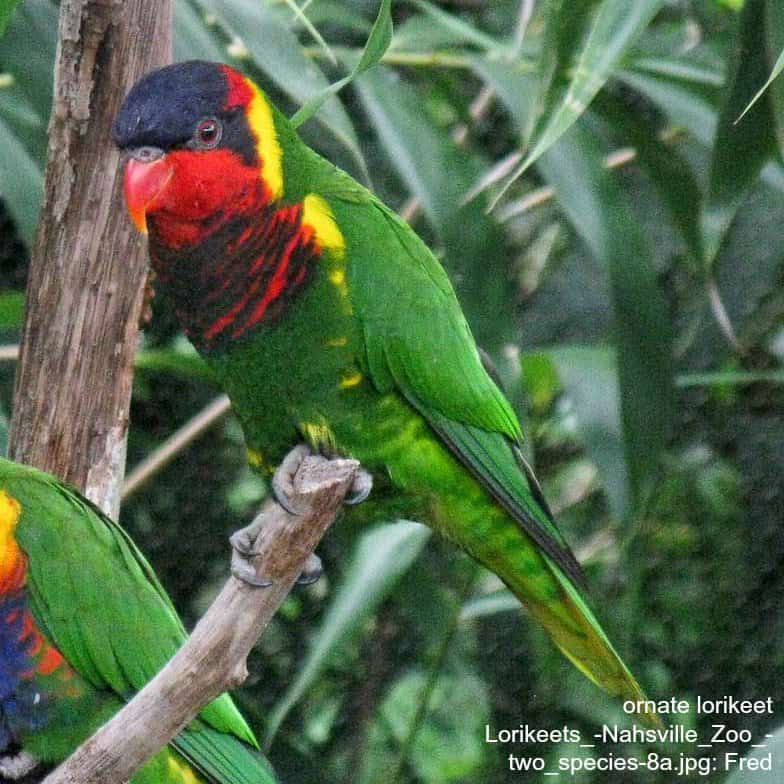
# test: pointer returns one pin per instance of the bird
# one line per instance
(84, 624)
(334, 329)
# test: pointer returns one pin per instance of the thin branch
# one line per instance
(160, 457)
(214, 657)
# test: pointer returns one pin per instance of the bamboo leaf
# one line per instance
(671, 175)
(590, 379)
(584, 43)
(6, 11)
(597, 208)
(276, 51)
(380, 559)
(740, 148)
(377, 43)
(460, 28)
(22, 183)
(777, 68)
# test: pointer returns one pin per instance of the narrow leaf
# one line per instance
(460, 28)
(6, 10)
(671, 175)
(22, 183)
(377, 43)
(381, 558)
(777, 68)
(600, 36)
(740, 149)
(598, 209)
(590, 379)
(276, 51)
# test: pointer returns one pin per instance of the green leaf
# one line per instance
(193, 38)
(774, 35)
(449, 745)
(777, 67)
(598, 209)
(33, 29)
(179, 360)
(276, 51)
(377, 43)
(590, 379)
(460, 28)
(6, 10)
(381, 557)
(12, 305)
(584, 43)
(22, 183)
(439, 174)
(741, 147)
(671, 175)
(685, 103)
(771, 754)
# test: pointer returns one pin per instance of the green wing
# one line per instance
(99, 601)
(418, 341)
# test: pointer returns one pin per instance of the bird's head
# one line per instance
(198, 137)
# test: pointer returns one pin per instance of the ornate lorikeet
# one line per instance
(84, 624)
(328, 321)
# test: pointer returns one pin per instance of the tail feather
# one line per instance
(577, 633)
(222, 758)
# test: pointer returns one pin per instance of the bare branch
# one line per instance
(214, 657)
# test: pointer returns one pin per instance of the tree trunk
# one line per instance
(73, 381)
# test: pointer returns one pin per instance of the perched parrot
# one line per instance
(84, 624)
(328, 321)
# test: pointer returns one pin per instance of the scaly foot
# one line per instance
(283, 489)
(243, 553)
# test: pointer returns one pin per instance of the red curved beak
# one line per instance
(144, 183)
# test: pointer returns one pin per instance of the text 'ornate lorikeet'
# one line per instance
(327, 320)
(84, 624)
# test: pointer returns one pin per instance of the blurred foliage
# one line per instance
(628, 285)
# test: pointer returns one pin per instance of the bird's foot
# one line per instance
(243, 553)
(17, 766)
(360, 487)
(282, 487)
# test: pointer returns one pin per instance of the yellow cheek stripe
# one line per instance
(337, 342)
(263, 126)
(10, 509)
(317, 214)
(351, 380)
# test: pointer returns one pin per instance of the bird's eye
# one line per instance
(208, 134)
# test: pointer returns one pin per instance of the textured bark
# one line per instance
(84, 295)
(213, 658)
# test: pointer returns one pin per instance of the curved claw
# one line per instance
(281, 481)
(312, 571)
(242, 555)
(360, 488)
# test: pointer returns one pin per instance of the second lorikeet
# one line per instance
(328, 321)
(84, 624)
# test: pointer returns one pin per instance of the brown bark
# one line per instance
(84, 295)
(213, 658)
